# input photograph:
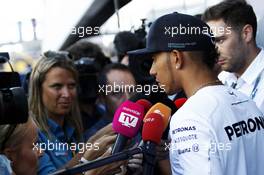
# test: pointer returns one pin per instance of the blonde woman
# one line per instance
(17, 143)
(53, 104)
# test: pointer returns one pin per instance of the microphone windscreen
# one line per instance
(163, 110)
(145, 103)
(180, 102)
(128, 118)
(152, 128)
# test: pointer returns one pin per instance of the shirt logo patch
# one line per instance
(184, 128)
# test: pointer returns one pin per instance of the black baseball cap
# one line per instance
(177, 31)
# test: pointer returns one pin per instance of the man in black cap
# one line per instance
(218, 130)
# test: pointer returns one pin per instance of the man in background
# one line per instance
(234, 26)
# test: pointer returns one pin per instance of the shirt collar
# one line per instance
(227, 78)
(58, 131)
(254, 69)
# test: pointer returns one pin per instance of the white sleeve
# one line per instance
(190, 149)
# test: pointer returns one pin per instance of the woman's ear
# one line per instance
(176, 58)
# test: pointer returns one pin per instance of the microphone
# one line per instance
(153, 128)
(151, 135)
(80, 168)
(141, 100)
(127, 121)
(161, 109)
(180, 102)
(154, 98)
(145, 103)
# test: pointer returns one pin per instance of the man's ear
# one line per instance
(247, 33)
(177, 59)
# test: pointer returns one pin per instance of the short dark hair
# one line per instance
(208, 58)
(235, 13)
(84, 48)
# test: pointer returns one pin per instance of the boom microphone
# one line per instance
(80, 168)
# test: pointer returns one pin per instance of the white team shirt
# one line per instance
(218, 131)
(248, 80)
